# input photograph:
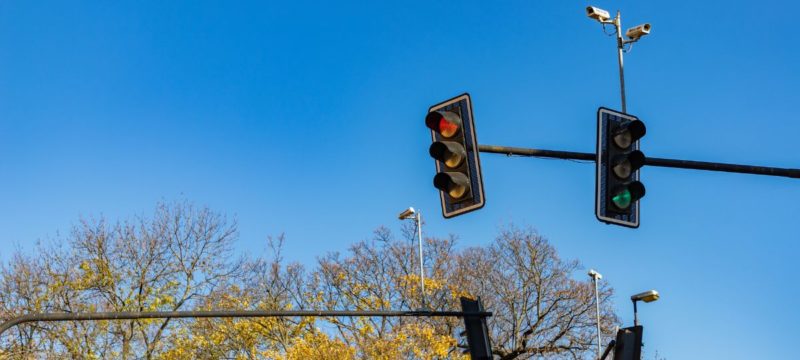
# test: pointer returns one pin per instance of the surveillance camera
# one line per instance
(407, 213)
(638, 31)
(597, 13)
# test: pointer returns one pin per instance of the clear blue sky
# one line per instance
(306, 118)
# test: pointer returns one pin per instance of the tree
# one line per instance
(380, 275)
(169, 262)
(179, 259)
(263, 284)
(23, 289)
(539, 309)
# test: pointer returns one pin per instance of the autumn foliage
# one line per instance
(182, 258)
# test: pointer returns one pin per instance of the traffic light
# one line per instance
(617, 189)
(455, 149)
(477, 332)
(629, 343)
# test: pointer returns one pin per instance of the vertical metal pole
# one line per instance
(421, 258)
(635, 316)
(620, 47)
(597, 303)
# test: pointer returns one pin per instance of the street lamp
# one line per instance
(416, 215)
(633, 34)
(647, 296)
(595, 277)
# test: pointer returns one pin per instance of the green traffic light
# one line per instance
(625, 195)
(622, 200)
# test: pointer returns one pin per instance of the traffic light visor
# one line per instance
(625, 195)
(446, 123)
(624, 166)
(628, 133)
(455, 184)
(451, 153)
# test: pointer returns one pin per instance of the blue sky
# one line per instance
(306, 118)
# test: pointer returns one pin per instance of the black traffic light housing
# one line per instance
(455, 149)
(480, 347)
(618, 190)
(629, 343)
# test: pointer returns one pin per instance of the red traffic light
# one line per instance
(445, 123)
(454, 146)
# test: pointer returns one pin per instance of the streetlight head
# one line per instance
(638, 31)
(597, 13)
(407, 213)
(647, 296)
(595, 275)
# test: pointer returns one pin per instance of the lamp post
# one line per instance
(633, 34)
(416, 215)
(595, 277)
(647, 296)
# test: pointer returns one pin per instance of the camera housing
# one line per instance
(407, 214)
(636, 32)
(597, 13)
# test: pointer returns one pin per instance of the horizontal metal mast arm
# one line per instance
(507, 150)
(650, 161)
(734, 168)
(48, 317)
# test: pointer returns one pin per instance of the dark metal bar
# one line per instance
(608, 349)
(221, 314)
(734, 168)
(671, 163)
(507, 150)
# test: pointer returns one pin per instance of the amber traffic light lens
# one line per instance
(451, 153)
(455, 184)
